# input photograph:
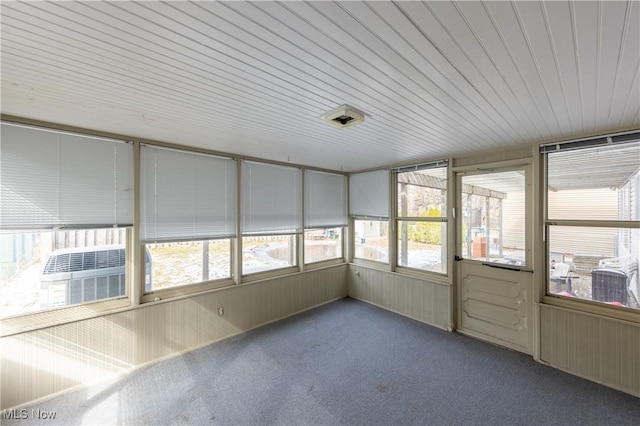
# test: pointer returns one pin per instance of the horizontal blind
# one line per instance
(186, 195)
(369, 194)
(52, 179)
(325, 200)
(271, 199)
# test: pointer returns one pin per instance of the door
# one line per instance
(494, 278)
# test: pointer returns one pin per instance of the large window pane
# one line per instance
(586, 184)
(423, 245)
(322, 244)
(595, 263)
(52, 269)
(372, 240)
(181, 263)
(493, 212)
(422, 193)
(266, 253)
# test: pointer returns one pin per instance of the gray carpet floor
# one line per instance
(346, 363)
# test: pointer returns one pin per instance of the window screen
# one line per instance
(186, 195)
(53, 179)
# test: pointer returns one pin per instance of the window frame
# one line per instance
(193, 287)
(579, 304)
(324, 225)
(270, 273)
(375, 213)
(443, 220)
(48, 317)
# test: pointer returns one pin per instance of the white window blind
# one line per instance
(186, 195)
(325, 200)
(51, 179)
(369, 194)
(271, 199)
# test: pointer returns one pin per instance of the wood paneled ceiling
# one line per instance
(254, 78)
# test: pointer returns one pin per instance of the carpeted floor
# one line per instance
(346, 363)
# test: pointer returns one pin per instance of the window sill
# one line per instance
(593, 308)
(372, 264)
(431, 276)
(274, 273)
(59, 316)
(323, 264)
(185, 290)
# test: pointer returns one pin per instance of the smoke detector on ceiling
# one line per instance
(344, 116)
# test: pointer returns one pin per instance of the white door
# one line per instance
(493, 253)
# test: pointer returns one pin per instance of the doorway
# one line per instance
(493, 253)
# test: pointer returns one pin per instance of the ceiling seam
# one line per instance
(545, 17)
(337, 57)
(450, 62)
(623, 41)
(456, 119)
(156, 60)
(403, 130)
(444, 92)
(434, 107)
(473, 64)
(491, 59)
(536, 63)
(514, 62)
(574, 32)
(598, 59)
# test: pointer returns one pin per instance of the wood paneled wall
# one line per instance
(597, 348)
(416, 298)
(41, 363)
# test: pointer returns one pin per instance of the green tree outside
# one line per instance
(427, 232)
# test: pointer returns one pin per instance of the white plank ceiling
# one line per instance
(253, 78)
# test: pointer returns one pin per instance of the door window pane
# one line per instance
(493, 217)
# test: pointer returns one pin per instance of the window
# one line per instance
(188, 262)
(271, 216)
(593, 220)
(325, 203)
(369, 206)
(66, 202)
(493, 208)
(322, 244)
(52, 269)
(188, 216)
(422, 217)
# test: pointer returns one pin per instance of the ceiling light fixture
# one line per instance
(344, 116)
